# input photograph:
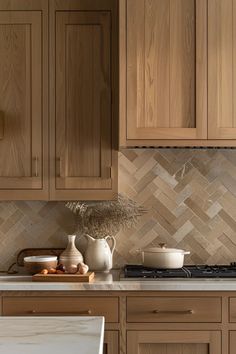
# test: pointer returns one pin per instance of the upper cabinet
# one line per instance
(61, 57)
(177, 83)
(83, 107)
(23, 99)
(166, 70)
(221, 69)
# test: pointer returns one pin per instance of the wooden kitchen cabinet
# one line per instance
(61, 306)
(68, 306)
(221, 69)
(111, 342)
(79, 40)
(163, 64)
(23, 99)
(174, 342)
(83, 107)
(177, 73)
(232, 340)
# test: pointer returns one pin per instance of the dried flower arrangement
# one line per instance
(100, 219)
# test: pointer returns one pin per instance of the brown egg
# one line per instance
(52, 271)
(44, 271)
(72, 269)
(83, 268)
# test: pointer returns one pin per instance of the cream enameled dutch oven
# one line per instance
(163, 257)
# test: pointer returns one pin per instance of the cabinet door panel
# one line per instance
(232, 341)
(83, 146)
(111, 342)
(21, 97)
(166, 69)
(174, 342)
(221, 69)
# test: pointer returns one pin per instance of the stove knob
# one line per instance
(233, 264)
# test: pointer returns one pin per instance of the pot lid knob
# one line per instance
(162, 245)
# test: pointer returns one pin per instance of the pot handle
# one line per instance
(140, 251)
(186, 252)
(113, 243)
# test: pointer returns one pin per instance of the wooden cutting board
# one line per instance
(64, 278)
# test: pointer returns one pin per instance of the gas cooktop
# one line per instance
(191, 271)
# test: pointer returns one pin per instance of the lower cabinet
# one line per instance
(174, 342)
(232, 342)
(111, 342)
(68, 306)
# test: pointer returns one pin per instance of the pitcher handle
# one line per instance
(113, 243)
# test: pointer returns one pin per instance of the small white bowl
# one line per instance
(35, 264)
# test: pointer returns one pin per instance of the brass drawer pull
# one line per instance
(74, 313)
(174, 312)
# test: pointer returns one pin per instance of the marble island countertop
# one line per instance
(113, 282)
(37, 335)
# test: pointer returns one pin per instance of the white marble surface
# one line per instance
(112, 282)
(59, 335)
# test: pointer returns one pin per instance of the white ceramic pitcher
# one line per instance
(98, 255)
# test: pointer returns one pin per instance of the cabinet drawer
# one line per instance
(232, 309)
(62, 306)
(173, 309)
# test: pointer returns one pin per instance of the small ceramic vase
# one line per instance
(71, 256)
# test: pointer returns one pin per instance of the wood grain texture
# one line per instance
(84, 162)
(221, 64)
(232, 309)
(182, 64)
(15, 75)
(101, 306)
(111, 342)
(86, 278)
(166, 70)
(203, 310)
(23, 102)
(174, 349)
(176, 342)
(232, 344)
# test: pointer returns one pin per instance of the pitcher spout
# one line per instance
(90, 238)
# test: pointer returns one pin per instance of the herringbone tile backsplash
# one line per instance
(190, 196)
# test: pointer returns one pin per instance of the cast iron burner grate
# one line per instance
(191, 271)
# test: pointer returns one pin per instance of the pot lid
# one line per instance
(163, 249)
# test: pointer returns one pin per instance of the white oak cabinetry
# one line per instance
(84, 100)
(174, 342)
(142, 322)
(221, 69)
(23, 99)
(79, 40)
(177, 77)
(232, 340)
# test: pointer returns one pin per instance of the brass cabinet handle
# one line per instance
(74, 313)
(36, 160)
(174, 312)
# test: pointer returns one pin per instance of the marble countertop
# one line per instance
(60, 335)
(113, 282)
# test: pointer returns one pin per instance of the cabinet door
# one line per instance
(232, 342)
(174, 342)
(23, 101)
(166, 70)
(111, 342)
(221, 69)
(85, 160)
